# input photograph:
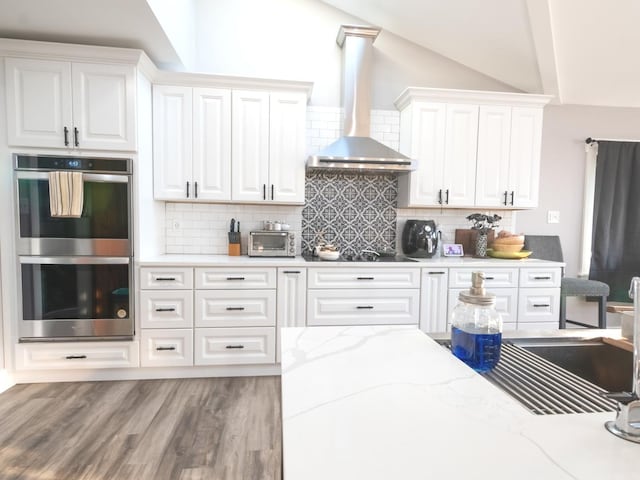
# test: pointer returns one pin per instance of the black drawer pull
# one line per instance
(165, 279)
(235, 278)
(291, 271)
(435, 273)
(540, 305)
(366, 278)
(234, 346)
(162, 349)
(365, 307)
(542, 278)
(75, 136)
(171, 309)
(75, 357)
(235, 308)
(489, 278)
(66, 137)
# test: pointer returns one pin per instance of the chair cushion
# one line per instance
(582, 286)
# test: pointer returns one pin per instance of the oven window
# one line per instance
(270, 242)
(105, 212)
(75, 291)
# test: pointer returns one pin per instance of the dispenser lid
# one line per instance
(477, 295)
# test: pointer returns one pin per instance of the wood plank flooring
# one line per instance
(184, 429)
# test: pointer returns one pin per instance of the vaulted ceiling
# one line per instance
(580, 51)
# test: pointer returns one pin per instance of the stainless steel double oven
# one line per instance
(76, 274)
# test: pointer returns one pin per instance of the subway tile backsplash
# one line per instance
(362, 214)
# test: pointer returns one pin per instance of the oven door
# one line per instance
(103, 229)
(268, 244)
(69, 297)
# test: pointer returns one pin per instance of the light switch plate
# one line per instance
(553, 216)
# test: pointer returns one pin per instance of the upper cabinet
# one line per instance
(61, 104)
(474, 149)
(229, 144)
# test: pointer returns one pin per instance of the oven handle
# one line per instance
(75, 260)
(87, 177)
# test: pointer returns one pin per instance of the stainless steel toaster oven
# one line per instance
(265, 243)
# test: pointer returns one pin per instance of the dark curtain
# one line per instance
(615, 251)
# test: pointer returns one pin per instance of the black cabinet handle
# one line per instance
(505, 197)
(264, 191)
(235, 309)
(195, 189)
(539, 305)
(234, 346)
(440, 196)
(66, 137)
(447, 198)
(75, 137)
(365, 307)
(165, 279)
(542, 278)
(512, 196)
(291, 271)
(171, 309)
(162, 349)
(435, 273)
(272, 195)
(489, 278)
(75, 357)
(235, 278)
(187, 189)
(366, 278)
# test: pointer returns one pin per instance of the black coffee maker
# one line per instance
(420, 238)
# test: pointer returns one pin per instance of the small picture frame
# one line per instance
(452, 250)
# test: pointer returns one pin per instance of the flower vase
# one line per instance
(481, 245)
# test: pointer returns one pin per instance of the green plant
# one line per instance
(483, 223)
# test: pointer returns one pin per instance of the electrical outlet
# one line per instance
(553, 216)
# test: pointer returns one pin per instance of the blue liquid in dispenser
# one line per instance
(481, 351)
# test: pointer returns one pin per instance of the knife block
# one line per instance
(234, 244)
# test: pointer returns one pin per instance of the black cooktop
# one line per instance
(368, 258)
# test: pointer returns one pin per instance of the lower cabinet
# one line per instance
(52, 356)
(291, 301)
(235, 346)
(172, 347)
(433, 300)
(538, 308)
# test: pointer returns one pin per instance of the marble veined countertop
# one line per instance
(389, 403)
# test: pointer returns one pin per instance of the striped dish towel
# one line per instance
(66, 194)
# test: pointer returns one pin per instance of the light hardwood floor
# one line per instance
(185, 429)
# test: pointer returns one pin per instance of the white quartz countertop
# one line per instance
(380, 402)
(246, 261)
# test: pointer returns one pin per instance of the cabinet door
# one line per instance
(235, 308)
(426, 145)
(234, 346)
(539, 305)
(166, 348)
(524, 166)
(104, 106)
(494, 140)
(38, 103)
(461, 142)
(172, 143)
(249, 146)
(166, 309)
(291, 301)
(433, 300)
(212, 144)
(287, 146)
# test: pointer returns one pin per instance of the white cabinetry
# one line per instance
(363, 296)
(473, 148)
(59, 104)
(268, 146)
(192, 143)
(52, 356)
(292, 301)
(433, 299)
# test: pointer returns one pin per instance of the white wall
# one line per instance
(178, 22)
(295, 39)
(562, 172)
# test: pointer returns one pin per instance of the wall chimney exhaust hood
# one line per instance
(355, 150)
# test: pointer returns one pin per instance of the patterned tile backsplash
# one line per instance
(353, 211)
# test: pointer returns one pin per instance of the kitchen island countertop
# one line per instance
(390, 403)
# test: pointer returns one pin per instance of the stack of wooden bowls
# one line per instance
(506, 242)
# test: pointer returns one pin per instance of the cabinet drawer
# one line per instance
(235, 308)
(165, 348)
(540, 277)
(539, 305)
(364, 278)
(506, 303)
(231, 279)
(52, 356)
(166, 309)
(494, 277)
(233, 346)
(363, 307)
(172, 278)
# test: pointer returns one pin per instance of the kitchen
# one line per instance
(176, 228)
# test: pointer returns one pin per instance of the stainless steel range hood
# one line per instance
(356, 150)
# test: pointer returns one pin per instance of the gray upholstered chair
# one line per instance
(547, 247)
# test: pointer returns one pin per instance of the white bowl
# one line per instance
(328, 255)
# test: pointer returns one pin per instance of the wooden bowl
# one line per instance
(512, 240)
(510, 248)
